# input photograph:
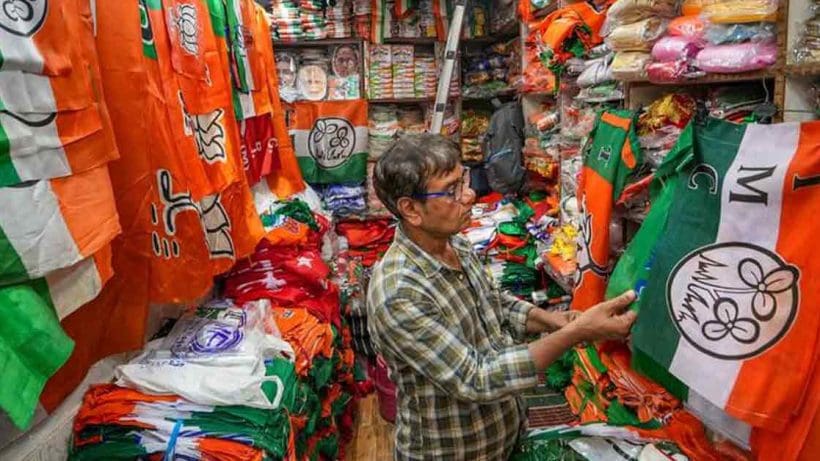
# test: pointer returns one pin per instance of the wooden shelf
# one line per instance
(402, 100)
(803, 70)
(410, 41)
(712, 79)
(318, 43)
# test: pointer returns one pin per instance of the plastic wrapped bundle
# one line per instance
(638, 36)
(380, 72)
(668, 71)
(597, 71)
(383, 127)
(687, 26)
(630, 65)
(720, 34)
(675, 49)
(736, 58)
(630, 11)
(740, 11)
(807, 49)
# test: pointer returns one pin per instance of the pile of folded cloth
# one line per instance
(621, 414)
(361, 18)
(367, 240)
(510, 235)
(339, 15)
(313, 20)
(383, 128)
(631, 29)
(287, 23)
(594, 76)
(344, 200)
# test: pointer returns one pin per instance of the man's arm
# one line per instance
(525, 318)
(414, 334)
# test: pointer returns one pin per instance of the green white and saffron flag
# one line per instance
(330, 140)
(726, 313)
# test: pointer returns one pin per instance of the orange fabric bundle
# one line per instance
(650, 400)
(306, 334)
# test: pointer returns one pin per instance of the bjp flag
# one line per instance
(612, 154)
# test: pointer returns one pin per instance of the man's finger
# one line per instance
(621, 303)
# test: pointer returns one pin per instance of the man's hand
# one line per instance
(607, 320)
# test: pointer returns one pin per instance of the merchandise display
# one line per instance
(216, 250)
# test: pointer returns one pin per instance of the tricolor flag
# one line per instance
(33, 37)
(37, 146)
(727, 311)
(50, 225)
(330, 140)
(611, 155)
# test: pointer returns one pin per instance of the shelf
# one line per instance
(504, 95)
(410, 41)
(711, 79)
(402, 100)
(318, 43)
(803, 70)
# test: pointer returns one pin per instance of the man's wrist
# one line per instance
(576, 333)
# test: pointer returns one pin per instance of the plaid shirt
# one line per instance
(447, 336)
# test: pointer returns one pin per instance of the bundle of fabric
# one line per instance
(807, 48)
(287, 24)
(380, 72)
(312, 19)
(361, 19)
(339, 17)
(383, 124)
(403, 71)
(367, 240)
(344, 200)
(425, 81)
(568, 32)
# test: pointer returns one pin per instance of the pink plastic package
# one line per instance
(736, 58)
(670, 71)
(675, 48)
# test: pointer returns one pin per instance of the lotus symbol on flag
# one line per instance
(23, 17)
(331, 141)
(188, 29)
(733, 300)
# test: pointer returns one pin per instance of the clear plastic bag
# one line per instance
(670, 48)
(638, 36)
(719, 34)
(736, 58)
(630, 65)
(630, 11)
(740, 11)
(687, 26)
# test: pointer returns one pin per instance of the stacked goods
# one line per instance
(380, 72)
(403, 71)
(425, 80)
(287, 23)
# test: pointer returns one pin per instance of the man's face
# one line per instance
(447, 215)
(346, 62)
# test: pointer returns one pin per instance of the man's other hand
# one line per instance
(607, 320)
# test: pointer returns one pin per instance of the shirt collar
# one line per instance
(427, 263)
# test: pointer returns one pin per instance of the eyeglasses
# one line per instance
(454, 192)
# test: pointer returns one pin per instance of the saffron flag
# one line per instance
(726, 311)
(330, 140)
(612, 154)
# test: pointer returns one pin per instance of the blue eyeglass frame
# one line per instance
(452, 195)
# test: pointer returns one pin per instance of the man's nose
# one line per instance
(468, 196)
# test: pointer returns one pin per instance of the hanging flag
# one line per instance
(49, 225)
(612, 154)
(330, 140)
(33, 347)
(33, 37)
(721, 313)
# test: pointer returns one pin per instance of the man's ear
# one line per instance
(410, 210)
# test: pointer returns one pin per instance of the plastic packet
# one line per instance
(736, 58)
(624, 12)
(606, 92)
(740, 11)
(630, 65)
(669, 49)
(687, 26)
(719, 34)
(596, 72)
(638, 36)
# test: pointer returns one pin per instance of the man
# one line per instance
(449, 337)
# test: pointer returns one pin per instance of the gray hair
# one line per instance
(408, 165)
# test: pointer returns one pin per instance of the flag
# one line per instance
(49, 225)
(330, 140)
(33, 37)
(287, 178)
(612, 154)
(725, 314)
(37, 146)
